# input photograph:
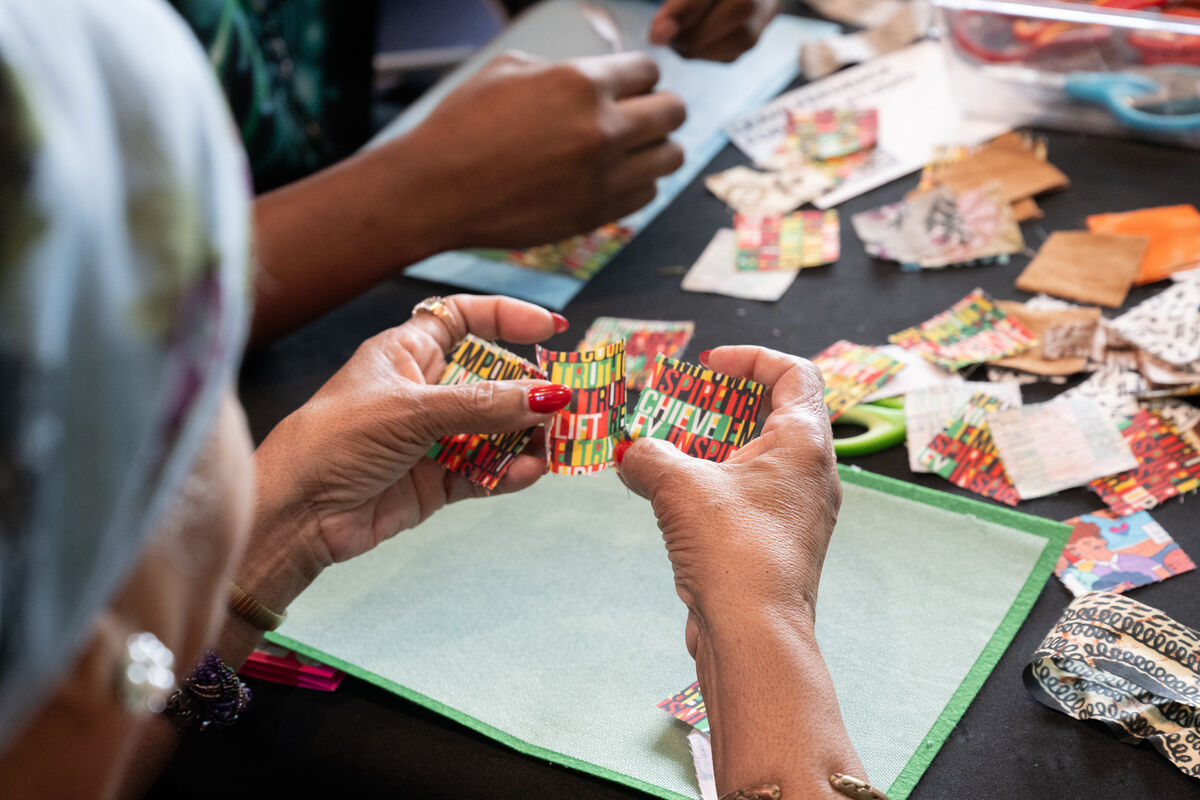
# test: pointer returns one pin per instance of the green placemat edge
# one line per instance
(1055, 533)
(520, 745)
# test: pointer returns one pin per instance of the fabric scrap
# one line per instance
(714, 273)
(1038, 323)
(1111, 553)
(1096, 268)
(851, 372)
(748, 191)
(1166, 466)
(644, 339)
(581, 438)
(973, 330)
(688, 706)
(1114, 660)
(482, 458)
(1048, 447)
(965, 454)
(1173, 231)
(1166, 325)
(703, 413)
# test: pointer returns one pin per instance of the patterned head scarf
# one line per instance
(123, 306)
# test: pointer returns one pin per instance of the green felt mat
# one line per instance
(548, 620)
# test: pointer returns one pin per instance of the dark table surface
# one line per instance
(363, 742)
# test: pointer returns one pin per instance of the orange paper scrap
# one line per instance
(1174, 233)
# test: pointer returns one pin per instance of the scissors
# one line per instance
(884, 423)
(1158, 99)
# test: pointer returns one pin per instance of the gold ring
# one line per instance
(438, 308)
(855, 788)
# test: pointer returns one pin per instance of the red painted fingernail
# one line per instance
(704, 357)
(621, 449)
(544, 399)
(560, 322)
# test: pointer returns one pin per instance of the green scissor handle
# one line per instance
(884, 423)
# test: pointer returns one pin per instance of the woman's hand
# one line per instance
(716, 30)
(747, 539)
(748, 535)
(348, 469)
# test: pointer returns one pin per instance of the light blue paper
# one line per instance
(714, 94)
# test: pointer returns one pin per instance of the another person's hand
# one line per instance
(716, 30)
(348, 469)
(748, 536)
(528, 152)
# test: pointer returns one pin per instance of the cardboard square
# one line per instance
(1095, 268)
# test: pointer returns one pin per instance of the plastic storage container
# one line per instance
(1125, 68)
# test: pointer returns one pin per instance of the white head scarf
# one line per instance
(123, 306)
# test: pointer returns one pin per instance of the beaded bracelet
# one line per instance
(212, 695)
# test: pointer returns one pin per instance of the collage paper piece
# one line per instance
(749, 191)
(1167, 466)
(831, 132)
(703, 413)
(688, 706)
(1173, 231)
(791, 242)
(1048, 447)
(578, 257)
(644, 339)
(930, 409)
(917, 374)
(851, 372)
(581, 438)
(482, 458)
(715, 273)
(1167, 325)
(1111, 553)
(965, 454)
(1039, 322)
(972, 331)
(941, 228)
